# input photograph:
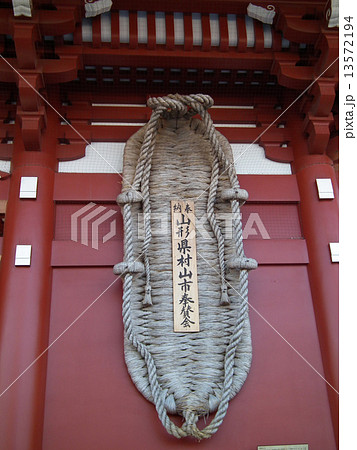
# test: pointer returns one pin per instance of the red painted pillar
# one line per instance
(320, 227)
(25, 294)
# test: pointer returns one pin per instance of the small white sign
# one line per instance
(23, 255)
(325, 188)
(28, 187)
(335, 251)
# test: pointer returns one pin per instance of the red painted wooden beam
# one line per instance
(54, 71)
(206, 33)
(224, 36)
(320, 225)
(25, 36)
(296, 29)
(122, 133)
(272, 251)
(242, 35)
(29, 84)
(170, 31)
(151, 30)
(70, 187)
(85, 111)
(259, 36)
(207, 6)
(96, 32)
(133, 29)
(187, 20)
(183, 58)
(115, 41)
(50, 23)
(25, 294)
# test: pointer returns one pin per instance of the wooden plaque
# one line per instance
(184, 267)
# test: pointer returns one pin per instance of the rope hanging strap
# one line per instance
(184, 107)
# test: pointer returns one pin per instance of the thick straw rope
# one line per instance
(183, 107)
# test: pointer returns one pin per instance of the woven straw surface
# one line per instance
(190, 366)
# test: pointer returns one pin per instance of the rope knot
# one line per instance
(224, 301)
(235, 193)
(125, 267)
(190, 426)
(129, 196)
(242, 263)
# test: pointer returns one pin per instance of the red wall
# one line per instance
(91, 402)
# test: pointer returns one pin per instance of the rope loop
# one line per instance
(194, 102)
(169, 108)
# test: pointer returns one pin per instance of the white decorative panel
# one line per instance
(87, 33)
(249, 26)
(23, 255)
(101, 157)
(232, 30)
(268, 36)
(325, 188)
(197, 29)
(124, 26)
(160, 26)
(142, 27)
(28, 187)
(106, 27)
(250, 159)
(5, 166)
(214, 26)
(179, 28)
(107, 157)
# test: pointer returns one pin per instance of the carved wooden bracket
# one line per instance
(275, 152)
(32, 124)
(295, 28)
(318, 130)
(25, 37)
(289, 74)
(74, 150)
(327, 64)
